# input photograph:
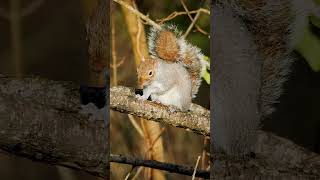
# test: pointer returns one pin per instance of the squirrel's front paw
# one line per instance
(138, 96)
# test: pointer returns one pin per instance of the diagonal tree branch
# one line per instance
(197, 120)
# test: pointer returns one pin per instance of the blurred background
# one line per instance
(297, 114)
(44, 38)
(175, 145)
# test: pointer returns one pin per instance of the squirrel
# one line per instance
(253, 50)
(172, 73)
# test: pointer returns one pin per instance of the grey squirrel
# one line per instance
(252, 45)
(172, 74)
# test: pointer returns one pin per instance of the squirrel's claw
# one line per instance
(172, 109)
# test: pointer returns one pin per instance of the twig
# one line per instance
(204, 11)
(175, 14)
(173, 168)
(134, 11)
(137, 173)
(138, 38)
(113, 52)
(155, 140)
(204, 153)
(135, 125)
(119, 63)
(195, 168)
(189, 15)
(192, 24)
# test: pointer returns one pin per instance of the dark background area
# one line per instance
(53, 41)
(297, 116)
(54, 46)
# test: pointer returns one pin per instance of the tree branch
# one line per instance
(40, 120)
(197, 120)
(134, 11)
(173, 168)
(275, 158)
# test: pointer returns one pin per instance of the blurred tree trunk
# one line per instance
(15, 28)
(98, 37)
(151, 129)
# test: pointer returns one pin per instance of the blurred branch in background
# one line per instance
(14, 16)
(137, 13)
(98, 37)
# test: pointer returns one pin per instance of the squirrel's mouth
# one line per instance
(142, 83)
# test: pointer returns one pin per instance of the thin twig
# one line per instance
(204, 11)
(204, 153)
(190, 17)
(137, 173)
(128, 175)
(134, 11)
(173, 168)
(138, 38)
(114, 55)
(118, 64)
(155, 140)
(191, 25)
(195, 168)
(135, 125)
(175, 14)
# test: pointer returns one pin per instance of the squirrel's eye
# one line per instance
(150, 73)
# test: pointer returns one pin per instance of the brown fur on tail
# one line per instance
(168, 44)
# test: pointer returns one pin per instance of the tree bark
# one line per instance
(40, 120)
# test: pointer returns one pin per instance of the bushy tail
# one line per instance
(169, 45)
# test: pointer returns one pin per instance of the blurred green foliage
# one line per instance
(309, 45)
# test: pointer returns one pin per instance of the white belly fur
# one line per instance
(170, 97)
